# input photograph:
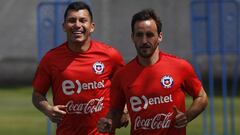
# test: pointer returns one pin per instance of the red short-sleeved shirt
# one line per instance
(151, 92)
(81, 81)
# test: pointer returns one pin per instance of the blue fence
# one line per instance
(215, 34)
(49, 28)
(49, 19)
(50, 16)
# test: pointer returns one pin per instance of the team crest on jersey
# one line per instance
(98, 67)
(167, 81)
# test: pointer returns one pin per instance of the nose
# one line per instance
(144, 39)
(78, 24)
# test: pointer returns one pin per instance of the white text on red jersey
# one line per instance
(69, 87)
(139, 103)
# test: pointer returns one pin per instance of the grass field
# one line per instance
(19, 117)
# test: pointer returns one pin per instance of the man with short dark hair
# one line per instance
(79, 72)
(153, 85)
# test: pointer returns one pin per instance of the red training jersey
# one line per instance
(81, 81)
(151, 92)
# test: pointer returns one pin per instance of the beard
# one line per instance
(146, 50)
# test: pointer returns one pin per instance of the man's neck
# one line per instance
(150, 60)
(79, 46)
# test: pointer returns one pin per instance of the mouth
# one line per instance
(78, 32)
(145, 46)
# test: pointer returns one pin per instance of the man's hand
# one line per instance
(56, 113)
(104, 125)
(180, 118)
(124, 119)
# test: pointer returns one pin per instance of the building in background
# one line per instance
(19, 51)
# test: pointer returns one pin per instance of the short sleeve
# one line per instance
(191, 83)
(117, 60)
(42, 78)
(117, 97)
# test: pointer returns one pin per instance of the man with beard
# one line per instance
(79, 72)
(153, 85)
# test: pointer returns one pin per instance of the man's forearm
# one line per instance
(115, 116)
(40, 102)
(198, 105)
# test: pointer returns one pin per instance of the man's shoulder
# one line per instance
(105, 49)
(101, 45)
(129, 67)
(171, 57)
(56, 51)
(176, 60)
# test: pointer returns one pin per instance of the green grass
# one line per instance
(19, 117)
(195, 127)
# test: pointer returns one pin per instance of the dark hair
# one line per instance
(78, 5)
(146, 14)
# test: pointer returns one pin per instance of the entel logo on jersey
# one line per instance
(167, 81)
(139, 103)
(68, 86)
(98, 67)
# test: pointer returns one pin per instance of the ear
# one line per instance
(92, 27)
(63, 26)
(132, 36)
(160, 37)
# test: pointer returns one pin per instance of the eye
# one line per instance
(139, 34)
(83, 20)
(149, 34)
(71, 20)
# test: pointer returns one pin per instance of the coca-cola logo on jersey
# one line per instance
(94, 105)
(158, 121)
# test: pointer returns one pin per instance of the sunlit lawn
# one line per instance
(19, 117)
